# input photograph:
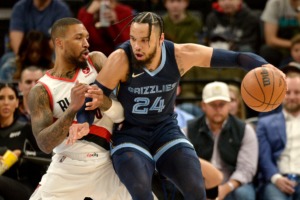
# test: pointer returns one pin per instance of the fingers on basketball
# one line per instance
(263, 89)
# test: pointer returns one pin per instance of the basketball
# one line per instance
(263, 89)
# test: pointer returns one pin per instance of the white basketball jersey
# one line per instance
(59, 91)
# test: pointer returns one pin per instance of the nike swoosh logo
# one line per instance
(136, 75)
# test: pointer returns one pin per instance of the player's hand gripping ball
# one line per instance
(263, 89)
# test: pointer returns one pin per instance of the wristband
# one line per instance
(115, 112)
(105, 90)
(230, 185)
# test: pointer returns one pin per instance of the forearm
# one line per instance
(279, 42)
(93, 7)
(232, 184)
(107, 103)
(227, 188)
(86, 18)
(54, 134)
(247, 61)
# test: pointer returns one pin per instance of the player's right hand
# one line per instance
(97, 96)
(77, 131)
(78, 95)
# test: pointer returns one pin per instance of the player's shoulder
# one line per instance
(98, 59)
(95, 54)
(120, 56)
(38, 93)
(38, 89)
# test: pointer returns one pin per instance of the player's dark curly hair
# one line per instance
(59, 27)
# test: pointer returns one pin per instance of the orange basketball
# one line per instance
(263, 89)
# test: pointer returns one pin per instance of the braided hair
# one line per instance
(151, 19)
(144, 18)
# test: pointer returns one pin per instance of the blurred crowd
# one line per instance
(257, 153)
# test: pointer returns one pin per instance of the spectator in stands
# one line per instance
(28, 79)
(155, 5)
(279, 139)
(227, 142)
(36, 15)
(232, 25)
(106, 39)
(19, 181)
(182, 116)
(281, 23)
(295, 48)
(237, 106)
(181, 25)
(291, 67)
(294, 51)
(34, 50)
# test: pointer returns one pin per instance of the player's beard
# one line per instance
(77, 62)
(140, 64)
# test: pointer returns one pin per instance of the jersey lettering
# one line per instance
(142, 106)
(64, 103)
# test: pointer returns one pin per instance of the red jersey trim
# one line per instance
(101, 132)
(64, 79)
(98, 131)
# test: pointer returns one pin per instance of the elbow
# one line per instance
(44, 147)
(46, 150)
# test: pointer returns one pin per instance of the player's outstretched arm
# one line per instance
(48, 133)
(190, 55)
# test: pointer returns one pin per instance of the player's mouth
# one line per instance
(139, 56)
(85, 54)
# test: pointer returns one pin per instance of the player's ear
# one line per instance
(58, 42)
(162, 38)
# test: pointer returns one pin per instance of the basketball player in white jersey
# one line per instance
(82, 170)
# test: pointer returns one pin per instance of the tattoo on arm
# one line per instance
(48, 133)
(98, 59)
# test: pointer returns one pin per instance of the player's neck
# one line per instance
(155, 61)
(63, 70)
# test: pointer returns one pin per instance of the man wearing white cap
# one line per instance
(227, 142)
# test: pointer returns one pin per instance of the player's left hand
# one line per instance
(275, 69)
(77, 131)
(278, 70)
(96, 94)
